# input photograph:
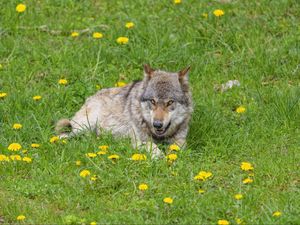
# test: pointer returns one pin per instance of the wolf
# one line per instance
(156, 109)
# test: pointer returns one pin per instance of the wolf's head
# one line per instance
(166, 100)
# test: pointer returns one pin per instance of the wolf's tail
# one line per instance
(62, 126)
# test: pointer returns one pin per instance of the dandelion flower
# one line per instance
(277, 214)
(21, 217)
(238, 196)
(27, 159)
(240, 109)
(114, 157)
(98, 86)
(1, 66)
(91, 155)
(62, 81)
(37, 97)
(34, 145)
(102, 152)
(174, 147)
(138, 157)
(201, 191)
(3, 95)
(93, 178)
(15, 157)
(74, 34)
(218, 12)
(246, 166)
(97, 35)
(54, 139)
(17, 126)
(14, 147)
(247, 181)
(3, 158)
(103, 147)
(21, 8)
(203, 175)
(171, 157)
(143, 187)
(93, 223)
(177, 1)
(238, 221)
(223, 222)
(122, 40)
(78, 163)
(120, 84)
(129, 25)
(85, 173)
(168, 200)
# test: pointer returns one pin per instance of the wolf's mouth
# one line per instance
(161, 131)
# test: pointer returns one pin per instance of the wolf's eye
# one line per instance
(170, 102)
(152, 101)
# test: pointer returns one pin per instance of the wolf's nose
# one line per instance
(157, 124)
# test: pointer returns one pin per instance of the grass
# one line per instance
(255, 42)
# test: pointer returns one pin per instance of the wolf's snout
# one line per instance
(158, 124)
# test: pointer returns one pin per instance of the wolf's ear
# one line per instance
(183, 74)
(148, 71)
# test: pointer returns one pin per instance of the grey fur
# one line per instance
(131, 110)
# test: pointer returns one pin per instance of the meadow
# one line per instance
(245, 141)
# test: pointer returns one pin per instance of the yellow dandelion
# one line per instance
(240, 109)
(93, 223)
(129, 25)
(238, 196)
(74, 34)
(78, 163)
(168, 200)
(120, 84)
(205, 15)
(218, 12)
(37, 97)
(143, 187)
(93, 178)
(15, 157)
(54, 139)
(21, 217)
(177, 1)
(138, 157)
(1, 66)
(17, 126)
(91, 155)
(174, 147)
(21, 8)
(3, 158)
(246, 166)
(114, 157)
(14, 147)
(102, 152)
(122, 40)
(103, 147)
(201, 191)
(34, 145)
(64, 141)
(223, 222)
(171, 157)
(85, 173)
(3, 95)
(203, 175)
(62, 82)
(27, 159)
(98, 86)
(277, 213)
(97, 35)
(247, 181)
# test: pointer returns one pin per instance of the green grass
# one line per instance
(256, 42)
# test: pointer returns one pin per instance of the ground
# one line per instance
(254, 42)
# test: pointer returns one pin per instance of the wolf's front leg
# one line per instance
(152, 148)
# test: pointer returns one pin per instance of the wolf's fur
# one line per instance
(161, 96)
